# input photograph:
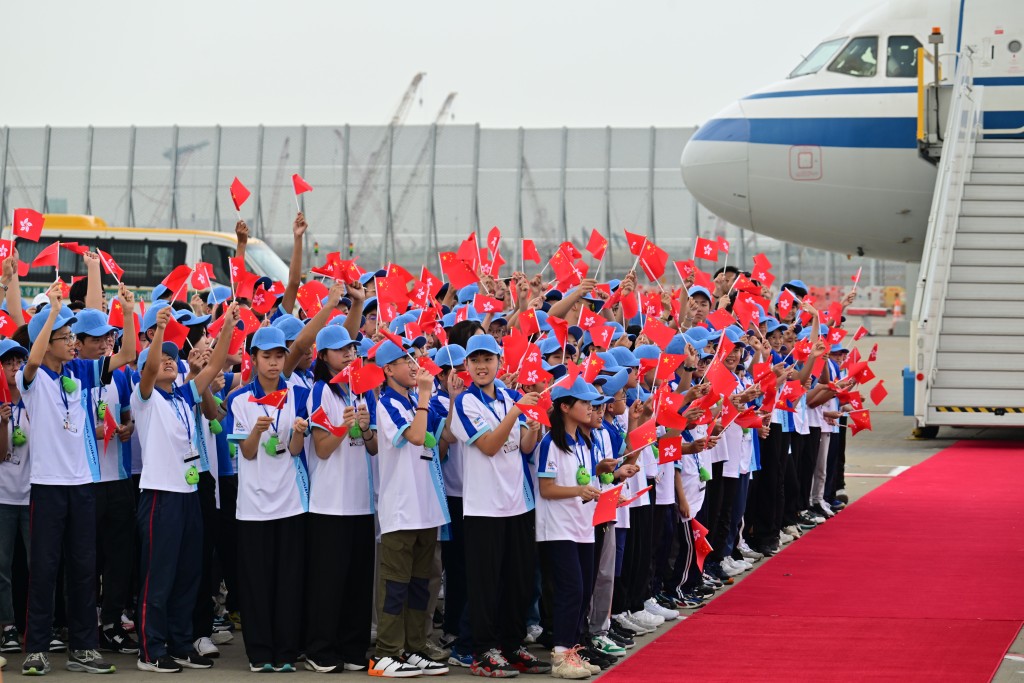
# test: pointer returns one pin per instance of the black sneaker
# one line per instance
(113, 638)
(36, 664)
(426, 665)
(596, 658)
(57, 643)
(89, 661)
(620, 640)
(492, 664)
(526, 663)
(622, 631)
(193, 660)
(9, 641)
(163, 665)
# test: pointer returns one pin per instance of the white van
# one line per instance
(146, 254)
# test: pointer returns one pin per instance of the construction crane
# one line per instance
(418, 167)
(373, 165)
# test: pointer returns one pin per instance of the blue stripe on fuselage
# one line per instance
(861, 132)
(879, 90)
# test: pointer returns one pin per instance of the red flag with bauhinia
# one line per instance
(300, 184)
(433, 282)
(487, 304)
(644, 435)
(601, 335)
(879, 393)
(761, 262)
(785, 303)
(262, 300)
(236, 268)
(706, 249)
(201, 276)
(836, 335)
(861, 331)
(722, 381)
(658, 332)
(651, 305)
(723, 244)
(539, 412)
(670, 449)
(109, 426)
(320, 419)
(110, 265)
(275, 399)
(700, 542)
(597, 245)
(493, 240)
(589, 319)
(635, 242)
(28, 224)
(530, 252)
(239, 193)
(686, 269)
(246, 366)
(8, 327)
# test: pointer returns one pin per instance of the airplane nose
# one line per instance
(714, 165)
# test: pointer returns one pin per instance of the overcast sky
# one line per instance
(525, 63)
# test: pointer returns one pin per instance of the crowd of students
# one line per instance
(323, 473)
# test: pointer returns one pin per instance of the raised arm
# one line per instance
(150, 371)
(220, 350)
(94, 290)
(295, 265)
(242, 233)
(11, 285)
(130, 339)
(38, 351)
(307, 337)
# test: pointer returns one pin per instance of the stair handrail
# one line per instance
(954, 168)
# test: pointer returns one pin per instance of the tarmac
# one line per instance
(873, 458)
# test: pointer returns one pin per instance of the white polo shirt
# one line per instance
(564, 519)
(341, 484)
(167, 435)
(412, 492)
(69, 458)
(15, 469)
(117, 395)
(693, 488)
(451, 466)
(498, 485)
(269, 486)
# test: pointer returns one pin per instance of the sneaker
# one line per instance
(446, 640)
(57, 643)
(127, 624)
(651, 605)
(710, 580)
(625, 620)
(533, 632)
(785, 538)
(163, 665)
(361, 665)
(438, 620)
(427, 665)
(665, 600)
(221, 637)
(206, 648)
(36, 664)
(594, 659)
(456, 658)
(797, 530)
(686, 600)
(392, 667)
(266, 668)
(88, 661)
(113, 638)
(751, 555)
(526, 663)
(434, 652)
(607, 646)
(646, 619)
(193, 660)
(236, 620)
(222, 624)
(842, 497)
(285, 669)
(325, 668)
(568, 665)
(9, 641)
(623, 641)
(729, 564)
(492, 664)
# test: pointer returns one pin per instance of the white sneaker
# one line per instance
(626, 621)
(785, 538)
(750, 555)
(728, 568)
(222, 637)
(391, 667)
(206, 648)
(646, 619)
(533, 632)
(793, 530)
(651, 605)
(729, 563)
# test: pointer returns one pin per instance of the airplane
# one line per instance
(829, 157)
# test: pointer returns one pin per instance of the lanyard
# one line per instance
(63, 393)
(16, 413)
(181, 418)
(488, 404)
(581, 459)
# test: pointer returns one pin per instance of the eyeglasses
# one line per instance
(69, 339)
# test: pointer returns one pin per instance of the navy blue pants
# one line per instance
(453, 557)
(62, 520)
(664, 537)
(568, 570)
(171, 542)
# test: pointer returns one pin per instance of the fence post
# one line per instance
(174, 175)
(3, 177)
(474, 209)
(385, 243)
(563, 222)
(131, 177)
(257, 219)
(44, 185)
(607, 196)
(520, 148)
(650, 182)
(216, 179)
(345, 229)
(431, 227)
(88, 172)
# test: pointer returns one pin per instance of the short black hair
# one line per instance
(728, 269)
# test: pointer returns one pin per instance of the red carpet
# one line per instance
(919, 579)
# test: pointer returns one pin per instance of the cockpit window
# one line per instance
(858, 58)
(902, 58)
(818, 58)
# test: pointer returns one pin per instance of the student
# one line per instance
(169, 516)
(411, 508)
(565, 536)
(15, 486)
(115, 495)
(498, 505)
(338, 597)
(63, 500)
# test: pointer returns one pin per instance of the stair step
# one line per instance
(972, 343)
(999, 148)
(977, 191)
(996, 178)
(980, 361)
(997, 165)
(1000, 224)
(996, 258)
(983, 326)
(998, 275)
(989, 240)
(968, 290)
(992, 208)
(982, 308)
(972, 379)
(1006, 398)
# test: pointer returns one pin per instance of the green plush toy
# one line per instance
(216, 427)
(192, 476)
(20, 438)
(429, 440)
(271, 446)
(101, 411)
(582, 476)
(607, 477)
(704, 474)
(355, 432)
(68, 384)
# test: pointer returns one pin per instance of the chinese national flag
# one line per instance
(528, 322)
(28, 224)
(667, 365)
(749, 419)
(658, 332)
(653, 261)
(176, 333)
(597, 245)
(860, 421)
(744, 284)
(592, 368)
(670, 449)
(176, 280)
(309, 297)
(607, 503)
(721, 319)
(319, 418)
(761, 262)
(635, 242)
(703, 279)
(459, 272)
(109, 427)
(429, 366)
(239, 193)
(530, 252)
(642, 436)
(47, 257)
(722, 381)
(861, 331)
(560, 328)
(700, 542)
(631, 305)
(110, 265)
(300, 184)
(74, 247)
(879, 393)
(706, 249)
(366, 378)
(275, 399)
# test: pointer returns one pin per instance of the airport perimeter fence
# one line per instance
(396, 193)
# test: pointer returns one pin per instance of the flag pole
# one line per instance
(298, 208)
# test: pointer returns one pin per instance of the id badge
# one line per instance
(70, 427)
(510, 446)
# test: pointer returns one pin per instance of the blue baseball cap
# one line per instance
(576, 332)
(92, 323)
(149, 319)
(398, 324)
(625, 357)
(697, 289)
(612, 384)
(167, 349)
(466, 294)
(267, 338)
(796, 285)
(646, 351)
(388, 352)
(10, 346)
(190, 319)
(611, 363)
(773, 324)
(158, 291)
(365, 344)
(697, 341)
(838, 348)
(806, 332)
(676, 345)
(64, 318)
(218, 295)
(289, 325)
(542, 321)
(578, 390)
(370, 274)
(450, 356)
(550, 345)
(482, 343)
(370, 304)
(334, 337)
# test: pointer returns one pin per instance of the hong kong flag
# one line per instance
(706, 249)
(28, 224)
(539, 412)
(110, 265)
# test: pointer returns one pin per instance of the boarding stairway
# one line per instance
(968, 318)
